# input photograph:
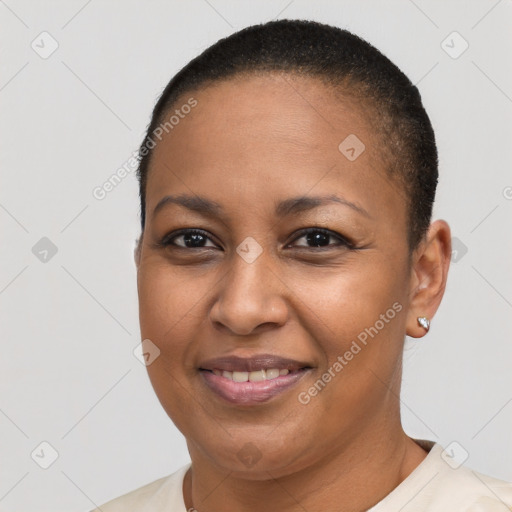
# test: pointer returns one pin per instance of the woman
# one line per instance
(287, 180)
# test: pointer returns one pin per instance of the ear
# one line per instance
(138, 249)
(429, 269)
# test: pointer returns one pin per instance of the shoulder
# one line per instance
(475, 492)
(462, 489)
(163, 494)
(440, 484)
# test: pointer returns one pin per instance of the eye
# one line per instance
(319, 237)
(313, 238)
(188, 239)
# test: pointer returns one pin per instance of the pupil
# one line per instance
(195, 239)
(317, 238)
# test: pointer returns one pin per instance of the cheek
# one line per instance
(170, 315)
(166, 314)
(166, 299)
(347, 301)
(357, 322)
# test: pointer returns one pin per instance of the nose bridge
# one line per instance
(250, 269)
(249, 266)
(250, 293)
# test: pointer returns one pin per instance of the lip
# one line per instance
(251, 393)
(253, 363)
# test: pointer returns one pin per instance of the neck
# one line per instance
(350, 479)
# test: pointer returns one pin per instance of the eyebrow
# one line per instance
(290, 206)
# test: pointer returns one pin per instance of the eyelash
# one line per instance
(343, 242)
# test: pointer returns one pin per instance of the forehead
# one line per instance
(271, 133)
(275, 108)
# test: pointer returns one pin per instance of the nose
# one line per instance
(250, 298)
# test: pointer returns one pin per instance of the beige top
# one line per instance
(438, 484)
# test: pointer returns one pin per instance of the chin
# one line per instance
(254, 458)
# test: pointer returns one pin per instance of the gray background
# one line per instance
(70, 322)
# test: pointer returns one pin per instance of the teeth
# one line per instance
(255, 376)
(272, 373)
(258, 376)
(240, 376)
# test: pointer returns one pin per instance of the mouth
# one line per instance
(253, 380)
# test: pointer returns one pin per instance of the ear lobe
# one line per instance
(431, 262)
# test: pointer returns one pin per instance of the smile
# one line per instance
(255, 376)
(251, 381)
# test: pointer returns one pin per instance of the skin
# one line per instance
(249, 143)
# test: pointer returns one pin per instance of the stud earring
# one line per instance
(424, 322)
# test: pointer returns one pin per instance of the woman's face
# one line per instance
(253, 292)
